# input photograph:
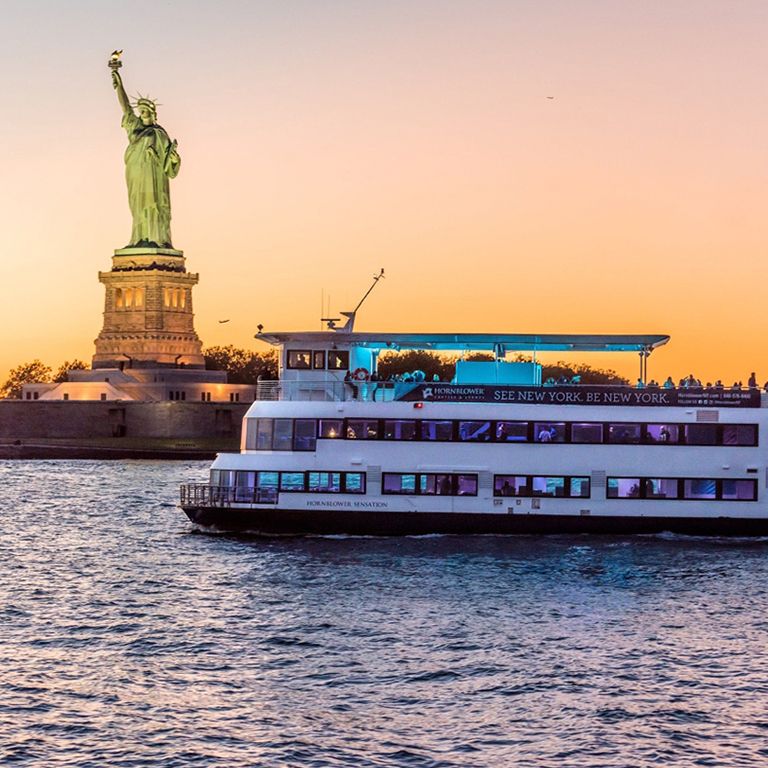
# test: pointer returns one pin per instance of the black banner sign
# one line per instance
(584, 395)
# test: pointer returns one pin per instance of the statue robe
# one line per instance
(147, 174)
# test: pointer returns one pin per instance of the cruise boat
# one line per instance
(329, 449)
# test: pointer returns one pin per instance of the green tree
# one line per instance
(26, 373)
(69, 365)
(242, 365)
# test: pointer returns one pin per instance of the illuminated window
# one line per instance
(475, 431)
(740, 490)
(331, 428)
(739, 434)
(183, 298)
(138, 297)
(119, 298)
(512, 431)
(128, 297)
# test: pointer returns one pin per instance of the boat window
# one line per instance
(398, 483)
(338, 361)
(400, 429)
(282, 439)
(436, 485)
(701, 434)
(268, 479)
(318, 359)
(740, 490)
(324, 482)
(739, 434)
(661, 488)
(245, 479)
(549, 432)
(304, 435)
(579, 488)
(299, 358)
(623, 488)
(436, 430)
(331, 428)
(475, 431)
(583, 432)
(466, 485)
(264, 434)
(362, 429)
(291, 481)
(700, 489)
(510, 485)
(512, 431)
(354, 482)
(662, 433)
(624, 433)
(548, 486)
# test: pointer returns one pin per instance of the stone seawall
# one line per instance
(88, 429)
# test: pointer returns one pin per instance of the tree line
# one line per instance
(246, 367)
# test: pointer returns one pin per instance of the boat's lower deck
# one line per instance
(276, 521)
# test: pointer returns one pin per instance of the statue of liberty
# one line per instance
(150, 160)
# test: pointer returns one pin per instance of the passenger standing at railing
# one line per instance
(348, 379)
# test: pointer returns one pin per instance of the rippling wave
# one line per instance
(129, 639)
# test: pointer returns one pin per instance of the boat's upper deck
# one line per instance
(340, 365)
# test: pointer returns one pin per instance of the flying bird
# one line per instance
(115, 56)
(550, 97)
(223, 321)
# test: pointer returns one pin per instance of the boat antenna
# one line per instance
(349, 326)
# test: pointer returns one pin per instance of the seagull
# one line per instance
(115, 56)
(223, 321)
(550, 97)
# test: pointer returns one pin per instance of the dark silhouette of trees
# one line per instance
(27, 373)
(68, 365)
(398, 363)
(242, 365)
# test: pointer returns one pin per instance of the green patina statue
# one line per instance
(150, 160)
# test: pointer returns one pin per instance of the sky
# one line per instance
(521, 166)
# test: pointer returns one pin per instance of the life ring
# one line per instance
(361, 374)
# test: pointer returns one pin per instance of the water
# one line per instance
(126, 639)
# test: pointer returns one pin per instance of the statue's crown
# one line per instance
(145, 101)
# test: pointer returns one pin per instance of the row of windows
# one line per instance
(301, 434)
(541, 485)
(466, 484)
(429, 484)
(291, 482)
(319, 359)
(699, 489)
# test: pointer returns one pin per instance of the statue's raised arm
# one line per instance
(151, 158)
(122, 96)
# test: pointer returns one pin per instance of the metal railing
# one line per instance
(367, 391)
(201, 495)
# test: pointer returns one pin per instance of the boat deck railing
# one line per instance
(369, 391)
(202, 495)
(386, 391)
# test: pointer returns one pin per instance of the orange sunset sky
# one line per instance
(324, 139)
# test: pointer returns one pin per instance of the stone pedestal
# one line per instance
(148, 317)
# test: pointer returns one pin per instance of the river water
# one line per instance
(128, 639)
